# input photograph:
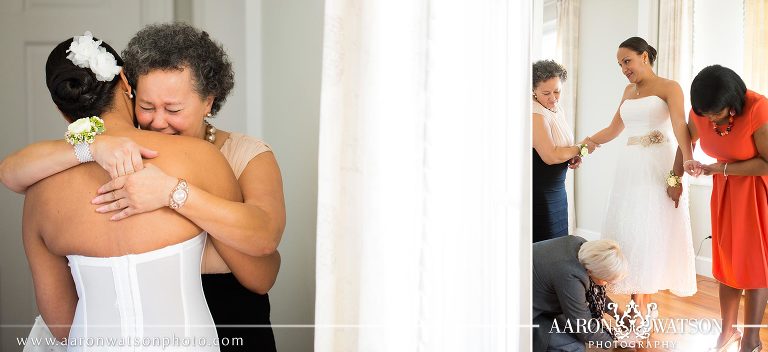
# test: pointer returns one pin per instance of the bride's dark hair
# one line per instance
(639, 45)
(75, 90)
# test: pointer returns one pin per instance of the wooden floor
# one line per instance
(704, 304)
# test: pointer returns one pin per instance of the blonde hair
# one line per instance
(603, 259)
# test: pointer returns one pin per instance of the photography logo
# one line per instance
(633, 324)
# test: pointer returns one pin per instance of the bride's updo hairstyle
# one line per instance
(75, 90)
(639, 45)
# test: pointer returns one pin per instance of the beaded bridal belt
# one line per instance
(653, 137)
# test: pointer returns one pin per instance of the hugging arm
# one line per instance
(117, 155)
(253, 226)
(262, 189)
(245, 233)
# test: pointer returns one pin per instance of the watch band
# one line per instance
(179, 194)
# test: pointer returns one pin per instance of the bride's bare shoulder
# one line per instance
(194, 159)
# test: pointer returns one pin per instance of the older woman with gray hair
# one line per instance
(553, 152)
(181, 77)
(569, 278)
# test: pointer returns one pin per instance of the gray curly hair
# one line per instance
(546, 69)
(175, 46)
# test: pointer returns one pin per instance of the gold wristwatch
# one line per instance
(179, 194)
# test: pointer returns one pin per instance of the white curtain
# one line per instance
(568, 56)
(423, 237)
(755, 48)
(675, 41)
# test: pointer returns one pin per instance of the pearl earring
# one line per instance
(208, 115)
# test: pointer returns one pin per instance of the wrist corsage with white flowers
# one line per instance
(82, 133)
(583, 150)
(674, 180)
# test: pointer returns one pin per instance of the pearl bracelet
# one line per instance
(83, 152)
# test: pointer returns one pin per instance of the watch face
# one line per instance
(179, 196)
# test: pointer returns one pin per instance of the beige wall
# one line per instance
(292, 55)
(276, 49)
(601, 85)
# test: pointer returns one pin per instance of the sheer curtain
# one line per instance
(423, 237)
(675, 41)
(568, 56)
(675, 57)
(755, 50)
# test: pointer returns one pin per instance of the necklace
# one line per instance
(542, 105)
(727, 129)
(210, 132)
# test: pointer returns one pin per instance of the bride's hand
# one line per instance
(119, 155)
(693, 168)
(591, 145)
(674, 193)
(137, 193)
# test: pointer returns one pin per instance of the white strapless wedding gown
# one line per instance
(654, 235)
(151, 301)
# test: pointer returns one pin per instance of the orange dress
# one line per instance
(739, 204)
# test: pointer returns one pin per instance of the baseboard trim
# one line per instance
(704, 266)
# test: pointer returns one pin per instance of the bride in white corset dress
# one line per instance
(653, 231)
(132, 285)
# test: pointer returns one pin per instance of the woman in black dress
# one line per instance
(553, 152)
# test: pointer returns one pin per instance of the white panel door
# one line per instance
(29, 29)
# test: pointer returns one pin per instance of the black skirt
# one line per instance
(233, 304)
(550, 202)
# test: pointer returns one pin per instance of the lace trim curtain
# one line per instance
(568, 56)
(755, 49)
(423, 239)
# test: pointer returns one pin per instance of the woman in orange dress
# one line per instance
(732, 124)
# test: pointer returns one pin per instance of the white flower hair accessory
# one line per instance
(88, 53)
